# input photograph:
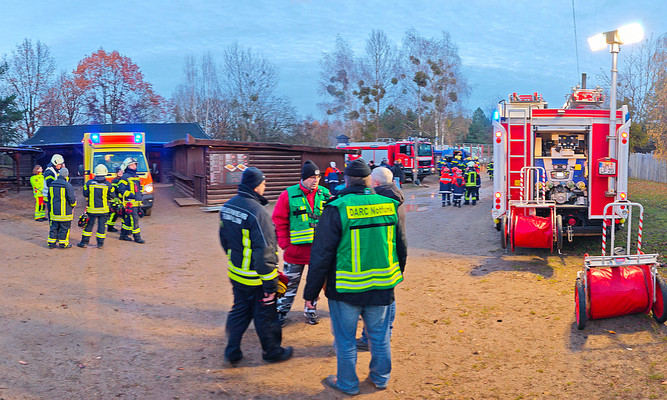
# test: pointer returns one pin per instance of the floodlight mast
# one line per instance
(624, 35)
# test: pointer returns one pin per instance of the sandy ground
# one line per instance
(147, 321)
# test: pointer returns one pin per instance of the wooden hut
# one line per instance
(210, 170)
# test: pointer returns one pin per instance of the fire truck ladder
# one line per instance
(516, 117)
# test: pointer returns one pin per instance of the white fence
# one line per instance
(644, 166)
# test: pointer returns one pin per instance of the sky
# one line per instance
(505, 46)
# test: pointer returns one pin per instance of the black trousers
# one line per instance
(248, 306)
(101, 227)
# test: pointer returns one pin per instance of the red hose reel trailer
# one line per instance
(524, 227)
(620, 284)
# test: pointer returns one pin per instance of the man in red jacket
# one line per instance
(296, 213)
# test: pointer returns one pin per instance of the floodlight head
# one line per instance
(631, 33)
(626, 34)
(597, 42)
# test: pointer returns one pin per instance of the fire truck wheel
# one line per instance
(497, 226)
(503, 232)
(559, 232)
(659, 308)
(580, 304)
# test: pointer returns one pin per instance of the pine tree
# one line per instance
(480, 128)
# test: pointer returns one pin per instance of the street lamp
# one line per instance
(627, 34)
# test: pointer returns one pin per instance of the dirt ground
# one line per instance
(147, 321)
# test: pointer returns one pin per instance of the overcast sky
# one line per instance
(506, 46)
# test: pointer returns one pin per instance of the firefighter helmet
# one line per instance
(101, 170)
(128, 161)
(83, 220)
(57, 159)
(470, 164)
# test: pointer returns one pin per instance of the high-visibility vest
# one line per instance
(303, 217)
(471, 178)
(366, 258)
(37, 183)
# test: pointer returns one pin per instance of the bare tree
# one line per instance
(199, 99)
(63, 102)
(378, 69)
(28, 78)
(657, 99)
(338, 76)
(250, 81)
(432, 80)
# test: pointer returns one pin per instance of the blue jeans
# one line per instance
(392, 317)
(344, 320)
(398, 182)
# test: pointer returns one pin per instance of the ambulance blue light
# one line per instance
(95, 138)
(137, 138)
(496, 115)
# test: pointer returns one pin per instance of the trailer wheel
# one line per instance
(503, 232)
(659, 308)
(559, 232)
(580, 304)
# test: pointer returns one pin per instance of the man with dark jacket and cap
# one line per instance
(357, 256)
(382, 182)
(247, 236)
(296, 213)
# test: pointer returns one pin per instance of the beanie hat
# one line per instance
(252, 177)
(358, 167)
(64, 172)
(309, 169)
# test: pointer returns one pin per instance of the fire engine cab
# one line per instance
(557, 168)
(390, 150)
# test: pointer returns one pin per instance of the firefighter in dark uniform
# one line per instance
(489, 168)
(473, 182)
(129, 190)
(62, 200)
(99, 192)
(248, 237)
(51, 174)
(116, 204)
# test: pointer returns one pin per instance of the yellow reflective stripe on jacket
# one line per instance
(355, 250)
(369, 279)
(245, 275)
(247, 250)
(301, 237)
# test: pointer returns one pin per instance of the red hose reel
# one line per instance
(620, 284)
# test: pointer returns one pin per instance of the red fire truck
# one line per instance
(390, 150)
(557, 168)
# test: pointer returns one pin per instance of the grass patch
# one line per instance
(651, 195)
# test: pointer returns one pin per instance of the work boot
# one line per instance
(100, 243)
(138, 239)
(65, 246)
(125, 238)
(111, 228)
(83, 243)
(52, 245)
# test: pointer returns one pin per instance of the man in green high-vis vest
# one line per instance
(358, 255)
(296, 213)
